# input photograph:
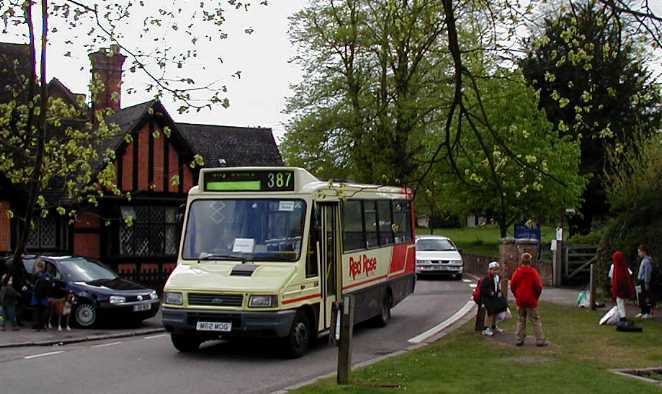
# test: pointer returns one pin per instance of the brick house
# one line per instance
(145, 167)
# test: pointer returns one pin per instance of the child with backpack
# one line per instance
(491, 297)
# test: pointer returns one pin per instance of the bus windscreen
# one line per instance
(244, 229)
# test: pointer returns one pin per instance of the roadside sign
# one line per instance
(523, 231)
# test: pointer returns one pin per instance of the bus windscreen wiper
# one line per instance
(214, 256)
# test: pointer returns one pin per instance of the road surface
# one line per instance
(150, 364)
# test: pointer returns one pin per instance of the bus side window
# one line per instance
(370, 217)
(385, 222)
(353, 237)
(313, 239)
(401, 221)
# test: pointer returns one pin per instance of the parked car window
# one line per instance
(353, 237)
(79, 269)
(385, 221)
(434, 244)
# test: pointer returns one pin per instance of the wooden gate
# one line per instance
(577, 261)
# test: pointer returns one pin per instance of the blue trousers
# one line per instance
(9, 313)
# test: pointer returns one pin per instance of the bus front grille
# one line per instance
(215, 299)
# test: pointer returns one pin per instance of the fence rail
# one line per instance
(578, 260)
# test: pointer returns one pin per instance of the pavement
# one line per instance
(26, 336)
(149, 364)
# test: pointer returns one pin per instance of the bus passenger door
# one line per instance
(329, 255)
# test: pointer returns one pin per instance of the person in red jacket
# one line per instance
(622, 284)
(526, 285)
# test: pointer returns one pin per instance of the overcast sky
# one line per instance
(256, 99)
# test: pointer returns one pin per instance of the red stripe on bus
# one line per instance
(377, 278)
(291, 300)
(364, 282)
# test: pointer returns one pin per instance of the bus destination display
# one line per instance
(249, 181)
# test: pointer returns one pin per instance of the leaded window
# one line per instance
(43, 234)
(151, 231)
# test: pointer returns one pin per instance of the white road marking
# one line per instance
(42, 355)
(107, 344)
(467, 280)
(156, 336)
(444, 324)
(473, 285)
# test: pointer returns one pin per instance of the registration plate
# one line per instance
(214, 326)
(142, 307)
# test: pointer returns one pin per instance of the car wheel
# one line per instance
(299, 339)
(85, 314)
(185, 343)
(384, 316)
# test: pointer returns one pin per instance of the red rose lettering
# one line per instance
(362, 265)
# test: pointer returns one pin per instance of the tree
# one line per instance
(49, 148)
(495, 183)
(372, 87)
(595, 86)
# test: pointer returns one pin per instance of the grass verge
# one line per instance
(464, 362)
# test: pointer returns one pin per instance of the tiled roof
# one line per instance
(237, 146)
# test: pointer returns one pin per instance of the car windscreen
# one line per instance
(78, 269)
(434, 245)
(244, 229)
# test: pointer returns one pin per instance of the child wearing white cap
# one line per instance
(491, 297)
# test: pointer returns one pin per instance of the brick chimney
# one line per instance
(107, 78)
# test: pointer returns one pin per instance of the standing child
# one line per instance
(491, 298)
(644, 279)
(526, 285)
(622, 285)
(9, 297)
(41, 291)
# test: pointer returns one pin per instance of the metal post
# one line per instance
(591, 297)
(345, 345)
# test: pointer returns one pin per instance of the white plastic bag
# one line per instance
(505, 315)
(610, 318)
(583, 299)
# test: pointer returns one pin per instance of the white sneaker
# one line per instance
(646, 317)
(488, 332)
(638, 315)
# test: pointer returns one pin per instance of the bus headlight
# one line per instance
(262, 301)
(173, 298)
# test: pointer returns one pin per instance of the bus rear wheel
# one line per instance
(384, 316)
(298, 341)
(185, 343)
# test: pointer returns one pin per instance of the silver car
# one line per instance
(438, 255)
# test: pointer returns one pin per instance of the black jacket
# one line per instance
(9, 296)
(491, 296)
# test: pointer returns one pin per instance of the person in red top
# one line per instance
(622, 284)
(526, 285)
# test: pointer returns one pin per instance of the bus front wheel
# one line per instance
(185, 343)
(299, 339)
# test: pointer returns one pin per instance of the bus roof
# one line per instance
(284, 179)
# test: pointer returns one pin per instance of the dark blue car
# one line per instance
(101, 294)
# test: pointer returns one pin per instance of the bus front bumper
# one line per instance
(249, 324)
